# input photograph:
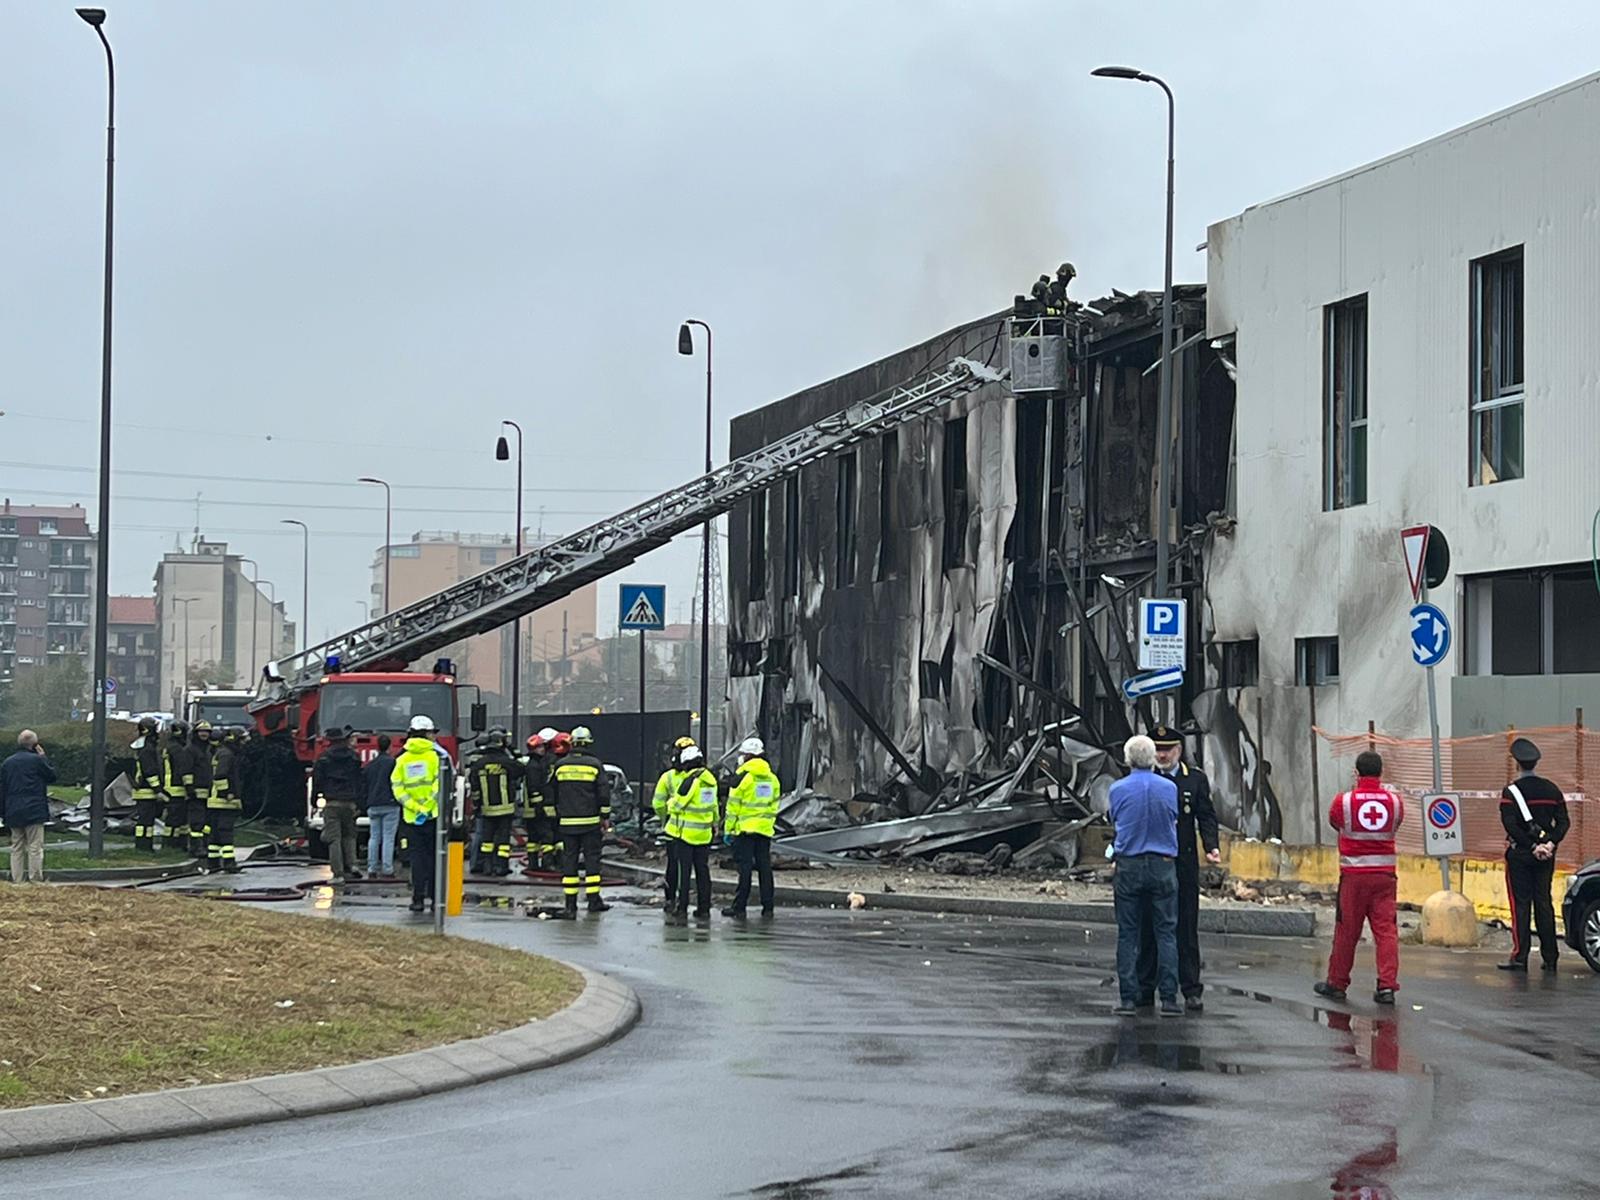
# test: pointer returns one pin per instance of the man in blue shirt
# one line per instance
(1144, 822)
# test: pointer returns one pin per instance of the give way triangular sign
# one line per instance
(1414, 541)
(642, 612)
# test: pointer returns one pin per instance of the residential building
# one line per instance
(435, 559)
(134, 654)
(209, 612)
(1415, 344)
(47, 574)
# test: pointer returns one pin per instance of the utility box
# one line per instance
(1039, 354)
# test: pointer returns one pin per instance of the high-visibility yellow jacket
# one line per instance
(753, 802)
(415, 781)
(494, 779)
(664, 785)
(692, 807)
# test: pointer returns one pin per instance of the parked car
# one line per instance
(1580, 913)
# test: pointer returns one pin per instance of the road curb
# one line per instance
(1244, 922)
(603, 1012)
(124, 874)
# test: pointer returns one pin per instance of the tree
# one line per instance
(213, 675)
(49, 693)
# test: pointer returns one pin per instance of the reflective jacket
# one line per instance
(225, 778)
(146, 767)
(692, 806)
(1366, 818)
(179, 775)
(203, 768)
(415, 781)
(495, 779)
(581, 790)
(753, 802)
(664, 785)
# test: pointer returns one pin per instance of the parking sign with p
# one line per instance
(1163, 634)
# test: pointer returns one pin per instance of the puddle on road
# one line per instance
(1165, 1056)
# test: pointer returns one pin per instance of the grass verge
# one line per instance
(111, 992)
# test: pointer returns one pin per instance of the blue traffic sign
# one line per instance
(1135, 686)
(1430, 635)
(642, 606)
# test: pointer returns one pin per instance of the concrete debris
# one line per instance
(857, 900)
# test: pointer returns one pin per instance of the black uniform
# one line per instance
(222, 811)
(177, 780)
(200, 762)
(539, 813)
(1195, 814)
(496, 775)
(581, 790)
(146, 790)
(1528, 878)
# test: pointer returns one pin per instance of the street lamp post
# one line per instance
(255, 614)
(1164, 383)
(305, 580)
(686, 346)
(502, 452)
(96, 17)
(388, 536)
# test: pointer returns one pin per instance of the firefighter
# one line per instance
(146, 783)
(496, 778)
(202, 754)
(222, 808)
(538, 816)
(752, 811)
(581, 790)
(1195, 812)
(691, 822)
(1366, 817)
(415, 782)
(177, 778)
(665, 782)
(1534, 813)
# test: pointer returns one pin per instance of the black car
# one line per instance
(1580, 913)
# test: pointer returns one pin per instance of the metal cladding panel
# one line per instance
(1404, 232)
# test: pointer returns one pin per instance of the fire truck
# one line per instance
(360, 679)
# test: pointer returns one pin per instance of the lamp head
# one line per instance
(685, 340)
(502, 449)
(93, 16)
(1118, 72)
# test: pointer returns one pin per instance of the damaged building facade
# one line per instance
(1415, 344)
(910, 619)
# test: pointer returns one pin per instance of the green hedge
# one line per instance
(67, 745)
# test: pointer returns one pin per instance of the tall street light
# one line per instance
(686, 346)
(255, 613)
(305, 580)
(96, 18)
(388, 536)
(1164, 383)
(502, 453)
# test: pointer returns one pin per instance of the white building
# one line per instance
(1417, 341)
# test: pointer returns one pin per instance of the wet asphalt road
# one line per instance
(835, 1054)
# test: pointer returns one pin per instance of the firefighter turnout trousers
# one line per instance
(220, 852)
(581, 845)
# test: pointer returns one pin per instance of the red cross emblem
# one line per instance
(1372, 815)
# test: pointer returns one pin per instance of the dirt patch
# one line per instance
(110, 992)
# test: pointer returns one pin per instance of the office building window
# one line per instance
(956, 501)
(845, 520)
(888, 506)
(1497, 389)
(1344, 403)
(1316, 661)
(756, 582)
(1239, 663)
(791, 535)
(1539, 622)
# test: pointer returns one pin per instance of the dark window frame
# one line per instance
(792, 543)
(888, 557)
(1498, 336)
(1316, 661)
(1345, 403)
(846, 512)
(1239, 663)
(955, 489)
(756, 548)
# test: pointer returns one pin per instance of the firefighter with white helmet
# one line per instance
(752, 813)
(691, 822)
(538, 809)
(665, 782)
(581, 790)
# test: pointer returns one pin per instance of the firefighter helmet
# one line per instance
(148, 724)
(582, 737)
(496, 739)
(202, 726)
(422, 723)
(752, 747)
(535, 742)
(683, 743)
(179, 729)
(561, 743)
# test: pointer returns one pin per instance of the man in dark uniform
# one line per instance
(146, 784)
(202, 756)
(496, 778)
(1194, 812)
(1534, 813)
(582, 793)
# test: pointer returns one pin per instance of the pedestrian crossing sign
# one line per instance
(642, 606)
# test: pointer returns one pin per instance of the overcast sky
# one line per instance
(352, 237)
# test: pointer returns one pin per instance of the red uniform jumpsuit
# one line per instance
(1366, 818)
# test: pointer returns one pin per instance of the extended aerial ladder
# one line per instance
(543, 576)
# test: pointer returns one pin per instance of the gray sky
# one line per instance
(352, 237)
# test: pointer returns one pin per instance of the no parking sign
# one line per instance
(1442, 831)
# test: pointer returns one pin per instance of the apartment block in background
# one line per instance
(134, 654)
(46, 586)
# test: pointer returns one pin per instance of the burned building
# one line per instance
(920, 611)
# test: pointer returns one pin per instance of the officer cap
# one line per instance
(1525, 752)
(1165, 737)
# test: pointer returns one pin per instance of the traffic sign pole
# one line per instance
(1438, 774)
